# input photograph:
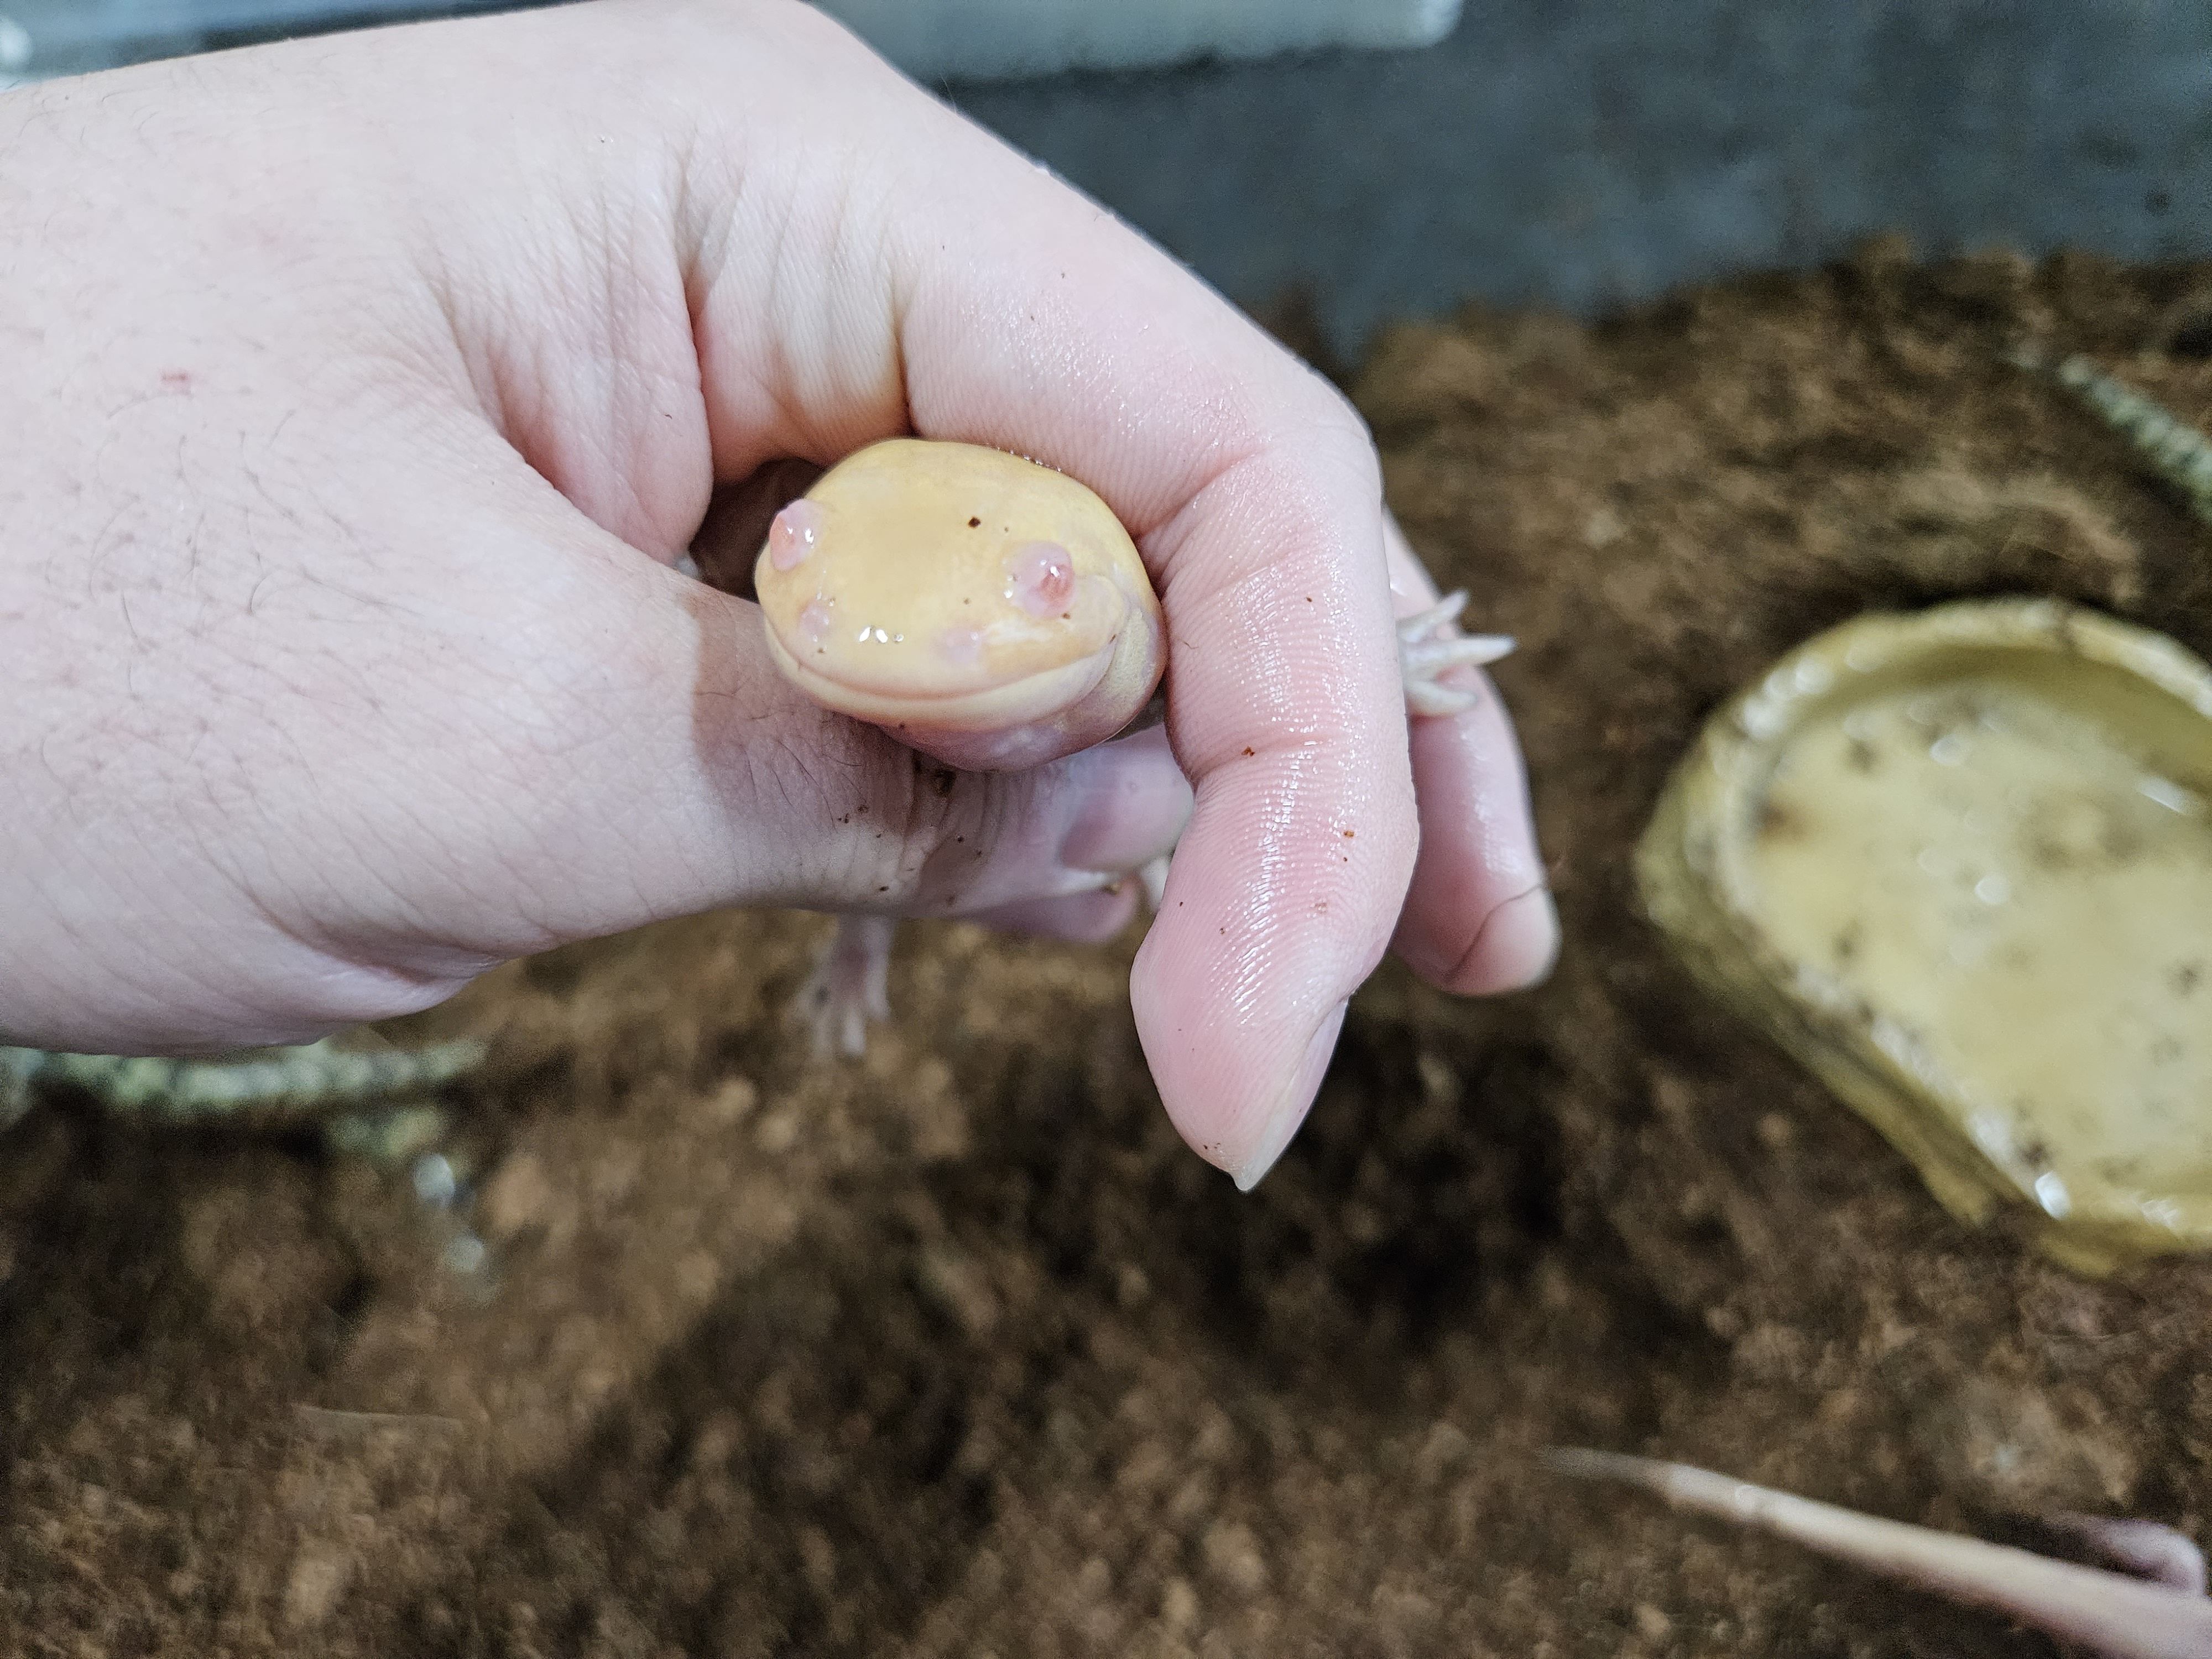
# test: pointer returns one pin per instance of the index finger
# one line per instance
(1254, 496)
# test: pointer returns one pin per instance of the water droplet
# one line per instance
(1993, 888)
(1761, 718)
(435, 1183)
(2167, 794)
(1949, 750)
(1991, 1133)
(963, 645)
(464, 1252)
(2051, 1193)
(815, 620)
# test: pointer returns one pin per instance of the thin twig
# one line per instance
(2117, 1616)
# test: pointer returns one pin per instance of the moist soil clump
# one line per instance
(956, 1351)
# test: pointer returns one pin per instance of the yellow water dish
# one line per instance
(1960, 864)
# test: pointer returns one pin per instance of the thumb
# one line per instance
(479, 732)
(698, 777)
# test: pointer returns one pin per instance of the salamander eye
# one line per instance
(1041, 578)
(793, 533)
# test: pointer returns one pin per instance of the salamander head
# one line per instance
(982, 609)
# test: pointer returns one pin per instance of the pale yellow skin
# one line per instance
(902, 610)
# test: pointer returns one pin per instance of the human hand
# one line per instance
(363, 393)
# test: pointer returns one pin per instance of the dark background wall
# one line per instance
(1587, 151)
(1584, 153)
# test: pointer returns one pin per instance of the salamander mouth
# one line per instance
(854, 650)
(978, 702)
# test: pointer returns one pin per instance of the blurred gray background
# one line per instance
(1578, 153)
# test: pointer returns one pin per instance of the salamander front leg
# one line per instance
(1428, 648)
(849, 986)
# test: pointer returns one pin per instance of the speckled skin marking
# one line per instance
(915, 587)
(2177, 452)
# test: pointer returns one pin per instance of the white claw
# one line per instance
(1426, 697)
(1442, 614)
(1429, 658)
(1424, 655)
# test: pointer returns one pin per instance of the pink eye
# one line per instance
(793, 534)
(1041, 578)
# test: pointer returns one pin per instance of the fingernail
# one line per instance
(1134, 804)
(1521, 937)
(1297, 1099)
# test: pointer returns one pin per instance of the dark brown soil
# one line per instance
(959, 1353)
